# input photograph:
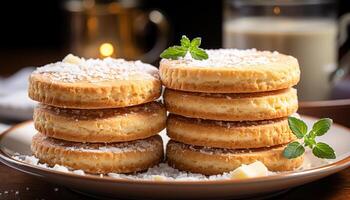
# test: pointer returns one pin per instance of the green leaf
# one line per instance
(298, 127)
(322, 126)
(309, 141)
(323, 150)
(293, 150)
(185, 42)
(199, 54)
(174, 52)
(319, 149)
(196, 42)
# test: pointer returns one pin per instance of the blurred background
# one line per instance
(34, 33)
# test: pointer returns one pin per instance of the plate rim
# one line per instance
(13, 163)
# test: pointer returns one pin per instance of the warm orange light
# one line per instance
(92, 23)
(276, 10)
(106, 49)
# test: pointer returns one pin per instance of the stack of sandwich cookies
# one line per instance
(98, 115)
(230, 109)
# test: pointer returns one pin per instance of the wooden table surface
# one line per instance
(17, 185)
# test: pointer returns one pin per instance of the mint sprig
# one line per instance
(187, 45)
(299, 129)
(293, 150)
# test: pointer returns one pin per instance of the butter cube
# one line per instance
(255, 169)
(158, 178)
(70, 58)
(259, 168)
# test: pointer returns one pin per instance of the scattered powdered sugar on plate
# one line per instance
(161, 172)
(230, 58)
(73, 69)
(311, 161)
(32, 160)
(164, 172)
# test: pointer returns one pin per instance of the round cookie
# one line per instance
(99, 158)
(232, 107)
(231, 135)
(101, 125)
(231, 71)
(211, 161)
(93, 83)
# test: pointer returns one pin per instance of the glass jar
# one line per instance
(305, 29)
(115, 28)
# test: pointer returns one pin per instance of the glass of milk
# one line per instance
(307, 30)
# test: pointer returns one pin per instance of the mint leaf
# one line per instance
(174, 52)
(196, 42)
(185, 42)
(293, 150)
(199, 54)
(298, 127)
(309, 141)
(323, 150)
(187, 45)
(319, 149)
(322, 126)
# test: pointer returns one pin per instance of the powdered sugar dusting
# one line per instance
(161, 172)
(164, 172)
(231, 58)
(76, 69)
(35, 161)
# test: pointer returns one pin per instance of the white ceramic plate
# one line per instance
(17, 140)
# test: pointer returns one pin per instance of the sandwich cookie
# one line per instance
(210, 161)
(99, 158)
(231, 135)
(94, 83)
(232, 107)
(100, 125)
(231, 71)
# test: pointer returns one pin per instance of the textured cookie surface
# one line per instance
(93, 83)
(210, 161)
(100, 125)
(232, 107)
(102, 158)
(232, 135)
(231, 71)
